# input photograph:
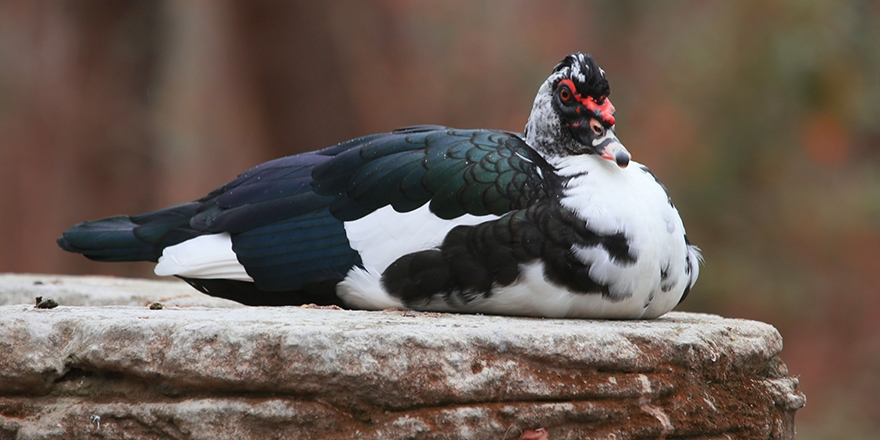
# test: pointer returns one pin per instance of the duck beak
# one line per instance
(613, 150)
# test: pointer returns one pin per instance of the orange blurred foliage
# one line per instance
(824, 139)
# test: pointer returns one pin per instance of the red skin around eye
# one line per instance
(605, 110)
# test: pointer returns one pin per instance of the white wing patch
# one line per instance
(385, 235)
(203, 257)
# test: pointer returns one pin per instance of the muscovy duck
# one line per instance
(556, 222)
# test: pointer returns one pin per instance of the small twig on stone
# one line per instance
(508, 431)
(315, 306)
(534, 434)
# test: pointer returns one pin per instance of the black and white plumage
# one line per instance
(557, 222)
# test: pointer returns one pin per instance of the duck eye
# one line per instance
(565, 95)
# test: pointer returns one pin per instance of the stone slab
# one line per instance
(290, 372)
(102, 291)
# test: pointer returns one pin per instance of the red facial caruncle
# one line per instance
(604, 111)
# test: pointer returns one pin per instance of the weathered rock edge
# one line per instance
(192, 372)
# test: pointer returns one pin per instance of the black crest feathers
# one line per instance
(587, 76)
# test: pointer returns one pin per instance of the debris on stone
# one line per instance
(95, 420)
(47, 303)
(534, 434)
(317, 307)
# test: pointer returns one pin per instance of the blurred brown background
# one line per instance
(761, 116)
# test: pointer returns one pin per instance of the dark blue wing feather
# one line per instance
(301, 250)
(410, 194)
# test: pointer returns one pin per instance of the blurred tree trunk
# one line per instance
(74, 138)
(130, 106)
(123, 107)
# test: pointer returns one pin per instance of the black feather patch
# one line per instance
(473, 259)
(322, 293)
(687, 270)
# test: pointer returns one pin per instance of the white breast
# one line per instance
(612, 200)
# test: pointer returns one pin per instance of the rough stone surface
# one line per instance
(102, 291)
(290, 372)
